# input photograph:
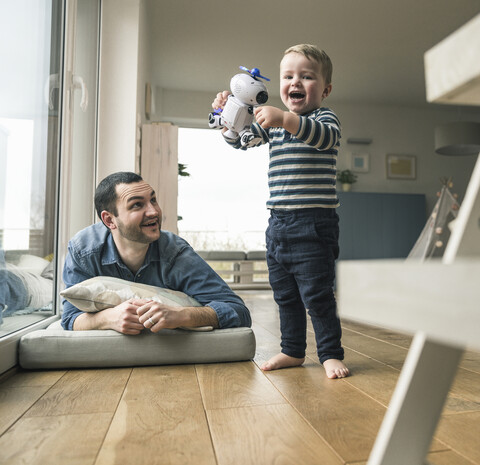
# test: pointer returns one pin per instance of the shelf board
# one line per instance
(452, 67)
(438, 299)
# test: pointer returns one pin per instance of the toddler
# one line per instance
(302, 234)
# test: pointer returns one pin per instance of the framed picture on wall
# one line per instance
(360, 162)
(401, 167)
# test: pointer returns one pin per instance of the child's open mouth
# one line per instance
(296, 96)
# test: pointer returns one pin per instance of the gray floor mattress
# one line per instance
(56, 348)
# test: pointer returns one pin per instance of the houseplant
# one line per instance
(347, 178)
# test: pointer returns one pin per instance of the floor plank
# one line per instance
(20, 391)
(240, 384)
(268, 345)
(347, 419)
(15, 401)
(447, 458)
(387, 353)
(467, 386)
(471, 361)
(267, 435)
(54, 440)
(383, 334)
(160, 420)
(34, 378)
(379, 381)
(461, 433)
(83, 391)
(371, 377)
(344, 416)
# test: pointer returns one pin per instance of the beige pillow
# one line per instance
(101, 292)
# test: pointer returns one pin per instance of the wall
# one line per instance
(119, 48)
(144, 76)
(126, 66)
(403, 131)
(83, 143)
(393, 130)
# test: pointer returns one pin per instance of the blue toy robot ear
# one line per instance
(254, 72)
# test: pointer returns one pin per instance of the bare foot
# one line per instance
(282, 361)
(335, 368)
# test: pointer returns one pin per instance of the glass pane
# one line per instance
(30, 46)
(231, 213)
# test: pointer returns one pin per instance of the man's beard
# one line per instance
(135, 233)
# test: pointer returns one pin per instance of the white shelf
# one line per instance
(452, 67)
(438, 299)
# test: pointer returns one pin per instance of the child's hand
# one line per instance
(220, 100)
(272, 117)
(269, 117)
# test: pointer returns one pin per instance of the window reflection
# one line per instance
(29, 122)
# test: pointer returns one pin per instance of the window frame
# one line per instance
(9, 343)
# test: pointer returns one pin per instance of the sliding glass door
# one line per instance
(30, 116)
(48, 88)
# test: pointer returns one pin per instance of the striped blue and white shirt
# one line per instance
(303, 167)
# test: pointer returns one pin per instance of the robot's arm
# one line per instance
(215, 119)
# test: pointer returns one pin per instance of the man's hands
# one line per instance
(133, 316)
(164, 316)
(123, 318)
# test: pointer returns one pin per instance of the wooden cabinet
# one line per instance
(159, 167)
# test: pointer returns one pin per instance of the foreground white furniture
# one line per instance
(438, 300)
(439, 303)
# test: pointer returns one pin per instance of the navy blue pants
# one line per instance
(302, 246)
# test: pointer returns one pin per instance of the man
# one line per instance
(130, 245)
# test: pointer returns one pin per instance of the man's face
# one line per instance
(302, 85)
(139, 216)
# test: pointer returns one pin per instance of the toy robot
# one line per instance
(247, 93)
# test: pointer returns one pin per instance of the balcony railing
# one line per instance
(241, 270)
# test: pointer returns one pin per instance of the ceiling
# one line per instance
(376, 46)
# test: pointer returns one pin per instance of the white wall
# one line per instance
(126, 66)
(393, 130)
(403, 131)
(83, 142)
(144, 76)
(119, 48)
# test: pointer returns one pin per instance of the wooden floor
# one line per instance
(230, 413)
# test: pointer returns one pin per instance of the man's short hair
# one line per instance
(312, 52)
(106, 192)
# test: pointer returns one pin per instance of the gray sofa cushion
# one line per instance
(56, 348)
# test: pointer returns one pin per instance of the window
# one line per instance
(48, 49)
(223, 202)
(30, 51)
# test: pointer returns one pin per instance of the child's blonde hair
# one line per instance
(314, 53)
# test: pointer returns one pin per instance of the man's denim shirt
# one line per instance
(170, 263)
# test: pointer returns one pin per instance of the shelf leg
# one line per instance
(417, 402)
